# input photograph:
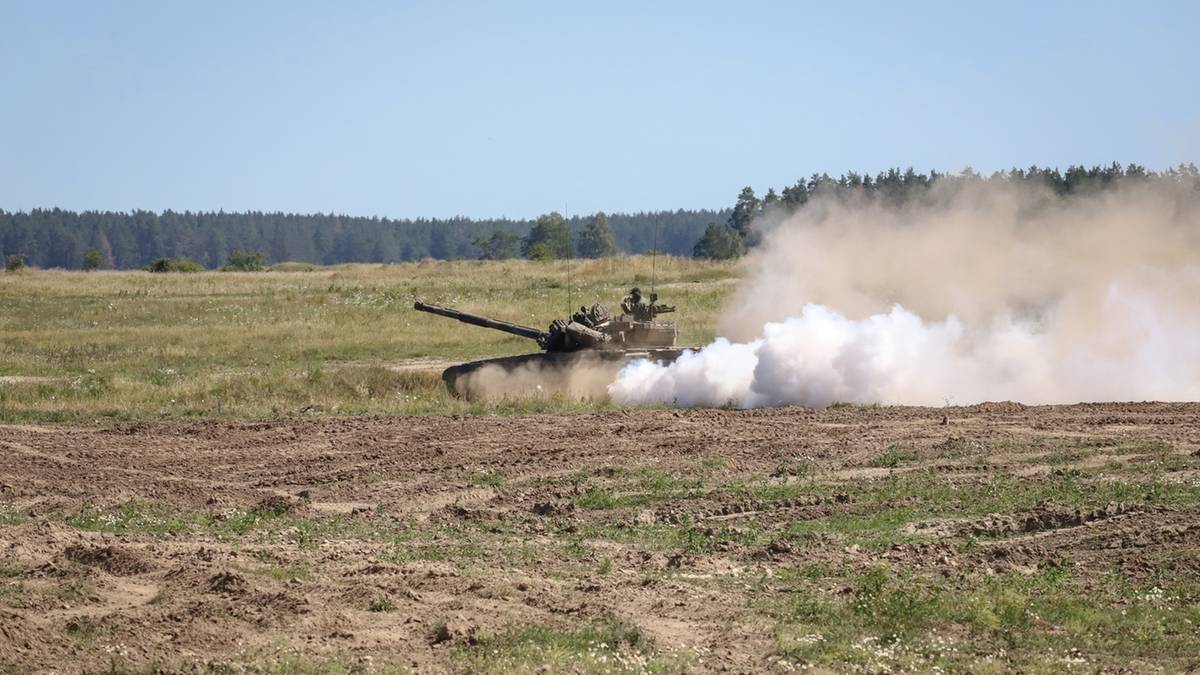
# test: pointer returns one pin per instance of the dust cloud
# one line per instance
(978, 292)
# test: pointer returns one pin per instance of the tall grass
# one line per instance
(340, 340)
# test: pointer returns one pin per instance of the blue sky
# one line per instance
(513, 109)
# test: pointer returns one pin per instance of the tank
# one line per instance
(579, 355)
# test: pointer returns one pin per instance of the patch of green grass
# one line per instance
(799, 467)
(381, 604)
(1094, 442)
(11, 584)
(487, 478)
(1059, 457)
(845, 405)
(813, 570)
(598, 498)
(575, 549)
(638, 488)
(10, 518)
(875, 530)
(406, 549)
(133, 517)
(932, 495)
(885, 621)
(957, 447)
(878, 511)
(10, 570)
(873, 625)
(283, 660)
(1159, 448)
(307, 533)
(611, 646)
(73, 591)
(1016, 609)
(298, 570)
(235, 523)
(691, 539)
(892, 458)
(677, 538)
(83, 630)
(771, 491)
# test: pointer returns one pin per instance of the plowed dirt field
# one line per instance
(988, 538)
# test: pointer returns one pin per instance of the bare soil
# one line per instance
(400, 541)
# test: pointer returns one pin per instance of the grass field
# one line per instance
(331, 340)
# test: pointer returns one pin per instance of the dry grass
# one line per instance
(334, 339)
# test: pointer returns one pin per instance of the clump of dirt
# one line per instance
(112, 559)
(227, 583)
(280, 504)
(456, 630)
(1046, 517)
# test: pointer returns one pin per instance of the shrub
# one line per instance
(245, 261)
(542, 251)
(15, 262)
(92, 259)
(174, 265)
(381, 604)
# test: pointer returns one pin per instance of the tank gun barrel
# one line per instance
(482, 321)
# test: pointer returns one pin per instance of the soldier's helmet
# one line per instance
(635, 291)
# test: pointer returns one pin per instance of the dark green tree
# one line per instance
(542, 252)
(596, 240)
(549, 229)
(795, 196)
(745, 211)
(770, 199)
(501, 245)
(245, 261)
(718, 243)
(92, 259)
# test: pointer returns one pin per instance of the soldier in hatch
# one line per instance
(633, 305)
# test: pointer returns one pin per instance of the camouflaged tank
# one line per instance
(579, 356)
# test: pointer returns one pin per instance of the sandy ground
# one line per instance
(218, 542)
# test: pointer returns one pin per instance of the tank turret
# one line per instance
(589, 328)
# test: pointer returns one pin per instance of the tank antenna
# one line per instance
(654, 260)
(570, 254)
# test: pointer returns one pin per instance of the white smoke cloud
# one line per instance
(981, 293)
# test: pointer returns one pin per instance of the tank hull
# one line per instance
(583, 374)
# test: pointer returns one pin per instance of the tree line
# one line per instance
(131, 240)
(92, 239)
(751, 214)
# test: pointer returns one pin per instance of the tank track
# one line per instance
(461, 380)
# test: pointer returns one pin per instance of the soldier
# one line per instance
(591, 317)
(632, 303)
